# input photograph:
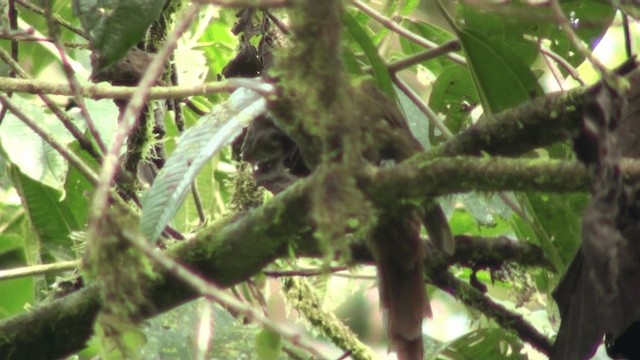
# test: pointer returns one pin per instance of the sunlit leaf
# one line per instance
(42, 163)
(196, 146)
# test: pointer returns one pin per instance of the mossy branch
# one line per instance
(302, 298)
(227, 252)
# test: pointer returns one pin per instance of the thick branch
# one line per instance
(534, 124)
(420, 177)
(229, 252)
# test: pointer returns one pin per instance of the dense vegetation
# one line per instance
(271, 157)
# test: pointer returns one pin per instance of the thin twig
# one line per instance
(74, 85)
(84, 142)
(248, 3)
(58, 19)
(13, 24)
(627, 36)
(104, 91)
(415, 98)
(565, 25)
(473, 298)
(217, 294)
(197, 201)
(453, 45)
(393, 26)
(552, 66)
(304, 272)
(564, 63)
(34, 270)
(279, 23)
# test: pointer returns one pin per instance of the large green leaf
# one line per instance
(41, 162)
(114, 26)
(502, 79)
(16, 293)
(501, 29)
(515, 25)
(50, 217)
(196, 146)
(555, 224)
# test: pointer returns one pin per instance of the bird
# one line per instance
(395, 240)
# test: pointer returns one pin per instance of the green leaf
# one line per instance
(378, 66)
(464, 223)
(502, 79)
(409, 6)
(196, 146)
(16, 293)
(556, 224)
(485, 343)
(114, 26)
(78, 189)
(41, 162)
(502, 30)
(268, 345)
(50, 218)
(104, 114)
(454, 95)
(513, 23)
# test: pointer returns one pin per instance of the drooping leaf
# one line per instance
(378, 66)
(50, 217)
(196, 146)
(114, 26)
(501, 77)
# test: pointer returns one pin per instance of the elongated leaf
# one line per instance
(114, 26)
(196, 146)
(380, 72)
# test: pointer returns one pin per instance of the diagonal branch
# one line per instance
(227, 252)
